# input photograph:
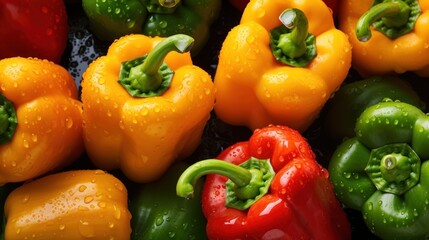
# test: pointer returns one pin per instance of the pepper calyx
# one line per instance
(291, 43)
(8, 119)
(393, 18)
(150, 76)
(247, 182)
(394, 168)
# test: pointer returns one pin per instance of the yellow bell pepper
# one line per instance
(40, 119)
(387, 36)
(80, 204)
(136, 120)
(269, 73)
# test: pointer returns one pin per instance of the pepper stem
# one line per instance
(395, 167)
(393, 14)
(169, 3)
(149, 76)
(247, 182)
(293, 43)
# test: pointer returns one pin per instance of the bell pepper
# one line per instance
(141, 114)
(40, 119)
(33, 28)
(269, 187)
(79, 204)
(4, 192)
(383, 170)
(158, 213)
(387, 36)
(280, 66)
(342, 110)
(241, 5)
(112, 19)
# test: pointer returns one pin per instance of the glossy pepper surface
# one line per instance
(383, 170)
(33, 28)
(241, 5)
(158, 213)
(79, 204)
(283, 76)
(143, 114)
(112, 19)
(40, 119)
(387, 36)
(343, 109)
(270, 187)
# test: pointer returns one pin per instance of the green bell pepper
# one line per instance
(341, 111)
(383, 170)
(158, 213)
(112, 19)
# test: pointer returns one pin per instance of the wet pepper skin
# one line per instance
(254, 90)
(143, 136)
(383, 171)
(381, 54)
(81, 204)
(48, 135)
(33, 28)
(300, 202)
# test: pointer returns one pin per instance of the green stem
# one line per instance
(395, 167)
(185, 185)
(169, 3)
(293, 43)
(147, 75)
(393, 14)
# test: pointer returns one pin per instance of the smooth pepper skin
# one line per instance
(254, 90)
(382, 55)
(300, 202)
(79, 204)
(48, 134)
(340, 113)
(159, 214)
(383, 170)
(33, 28)
(143, 136)
(112, 19)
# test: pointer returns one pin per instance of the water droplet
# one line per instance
(88, 199)
(82, 188)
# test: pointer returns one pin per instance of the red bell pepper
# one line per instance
(33, 28)
(278, 191)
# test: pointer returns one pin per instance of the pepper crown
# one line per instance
(247, 182)
(8, 119)
(149, 75)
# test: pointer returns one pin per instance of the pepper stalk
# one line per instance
(247, 182)
(392, 18)
(149, 75)
(291, 43)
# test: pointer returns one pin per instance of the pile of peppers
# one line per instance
(214, 119)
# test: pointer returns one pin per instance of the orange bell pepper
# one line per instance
(40, 119)
(387, 36)
(81, 204)
(134, 120)
(255, 89)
